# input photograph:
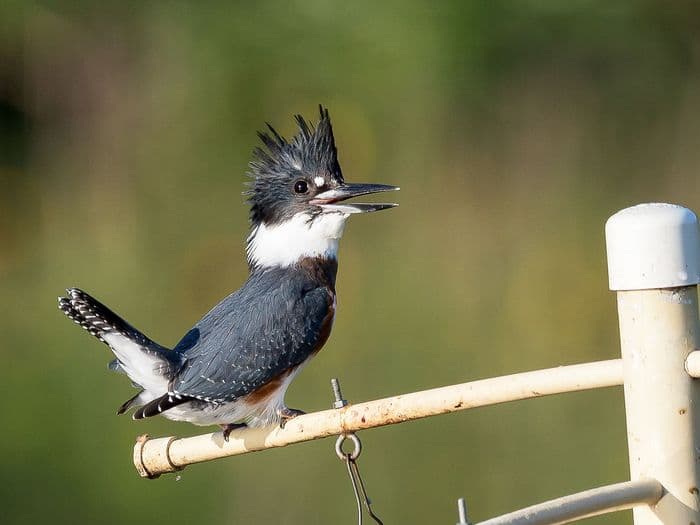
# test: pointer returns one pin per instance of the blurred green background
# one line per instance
(515, 129)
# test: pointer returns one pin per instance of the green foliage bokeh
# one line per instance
(514, 129)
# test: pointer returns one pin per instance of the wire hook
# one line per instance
(350, 459)
(356, 443)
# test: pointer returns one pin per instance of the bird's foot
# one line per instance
(230, 427)
(287, 413)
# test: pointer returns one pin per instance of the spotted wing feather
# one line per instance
(252, 337)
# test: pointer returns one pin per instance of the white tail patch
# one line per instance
(142, 367)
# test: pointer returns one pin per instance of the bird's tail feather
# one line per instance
(99, 320)
(134, 401)
(160, 405)
(148, 364)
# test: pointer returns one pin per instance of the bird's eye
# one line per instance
(301, 186)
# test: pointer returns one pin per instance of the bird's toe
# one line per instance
(230, 427)
(287, 413)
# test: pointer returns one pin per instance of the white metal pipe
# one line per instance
(153, 457)
(654, 265)
(594, 502)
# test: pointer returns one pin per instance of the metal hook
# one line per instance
(358, 486)
(355, 441)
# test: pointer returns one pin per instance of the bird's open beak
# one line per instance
(328, 200)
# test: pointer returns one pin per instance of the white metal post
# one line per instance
(654, 266)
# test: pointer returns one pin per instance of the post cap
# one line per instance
(653, 245)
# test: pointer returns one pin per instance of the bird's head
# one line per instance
(298, 196)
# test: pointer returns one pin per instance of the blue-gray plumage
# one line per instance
(234, 366)
(281, 316)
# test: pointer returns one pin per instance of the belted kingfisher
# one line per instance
(234, 366)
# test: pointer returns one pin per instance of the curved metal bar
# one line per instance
(602, 500)
(153, 457)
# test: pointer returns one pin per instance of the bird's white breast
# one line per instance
(301, 236)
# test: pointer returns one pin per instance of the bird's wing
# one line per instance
(252, 341)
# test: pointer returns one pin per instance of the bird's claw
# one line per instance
(287, 413)
(230, 427)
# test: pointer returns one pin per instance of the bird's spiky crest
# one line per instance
(311, 152)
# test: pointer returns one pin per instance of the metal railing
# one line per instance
(654, 266)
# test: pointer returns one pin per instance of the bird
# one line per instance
(233, 368)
